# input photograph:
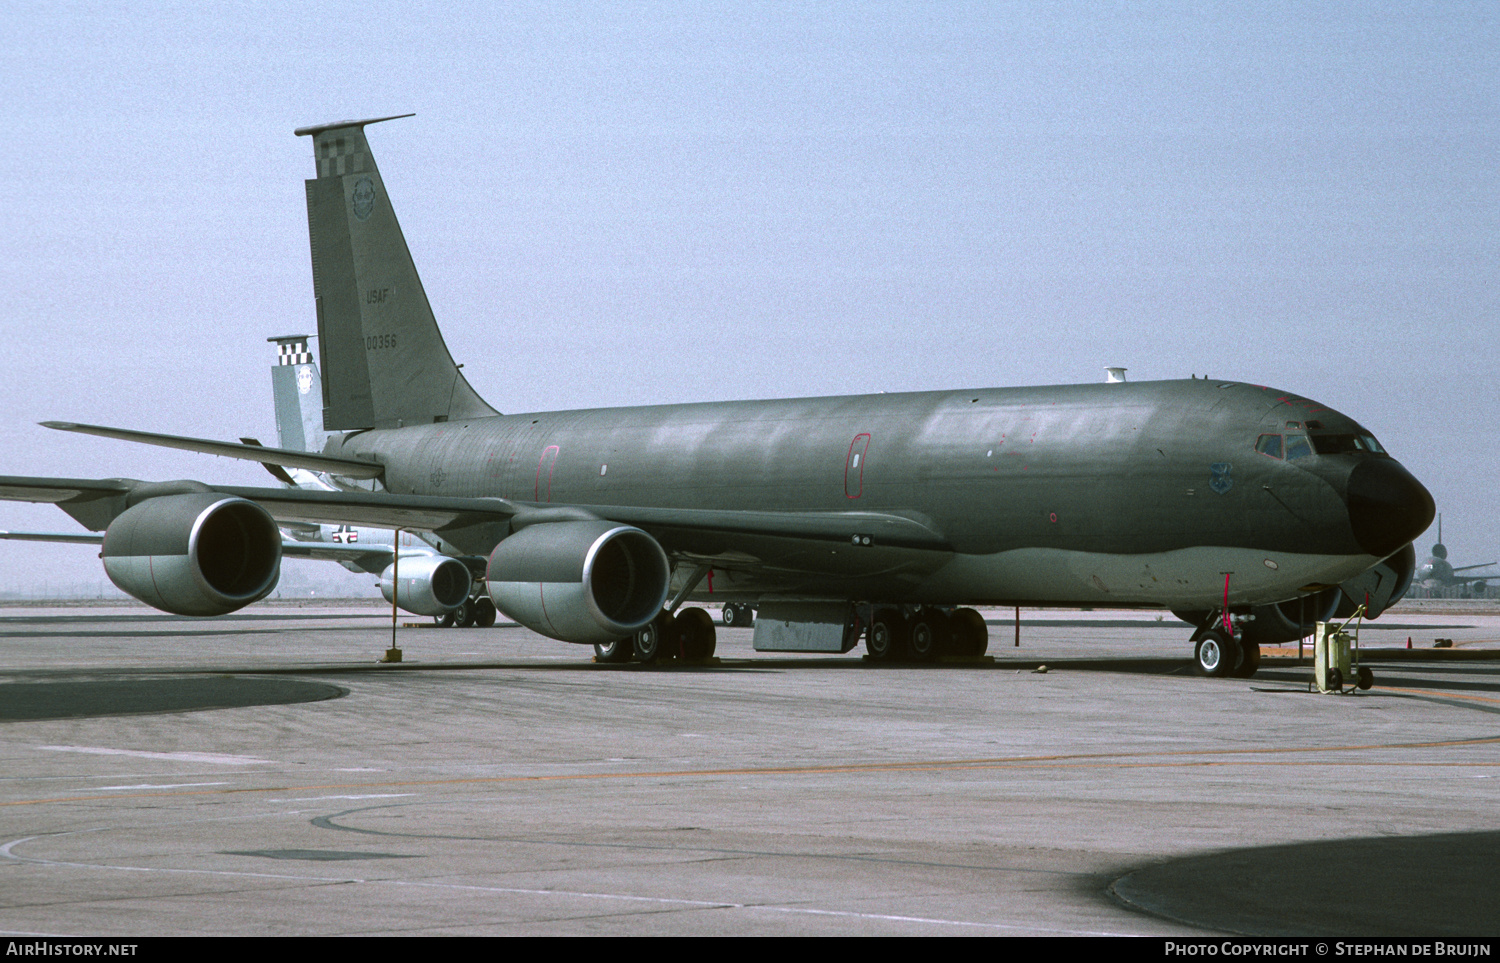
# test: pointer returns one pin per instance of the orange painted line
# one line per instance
(1440, 694)
(1066, 761)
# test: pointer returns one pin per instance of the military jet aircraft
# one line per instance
(881, 517)
(1437, 572)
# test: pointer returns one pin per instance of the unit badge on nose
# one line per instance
(1218, 477)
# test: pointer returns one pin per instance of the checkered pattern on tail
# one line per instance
(293, 352)
(344, 154)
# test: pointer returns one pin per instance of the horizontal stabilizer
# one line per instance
(316, 129)
(346, 467)
(277, 472)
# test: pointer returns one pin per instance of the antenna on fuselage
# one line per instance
(1115, 376)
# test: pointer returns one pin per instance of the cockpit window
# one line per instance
(1269, 445)
(1297, 447)
(1345, 444)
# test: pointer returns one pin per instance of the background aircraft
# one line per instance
(1436, 572)
(297, 391)
(432, 581)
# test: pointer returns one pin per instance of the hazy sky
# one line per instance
(615, 204)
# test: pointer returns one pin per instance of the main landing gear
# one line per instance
(738, 615)
(687, 636)
(475, 612)
(922, 634)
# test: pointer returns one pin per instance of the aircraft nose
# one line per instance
(1387, 506)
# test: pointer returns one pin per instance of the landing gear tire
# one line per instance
(1249, 660)
(887, 636)
(738, 615)
(620, 650)
(971, 637)
(648, 641)
(484, 613)
(463, 616)
(444, 621)
(1217, 655)
(928, 637)
(695, 634)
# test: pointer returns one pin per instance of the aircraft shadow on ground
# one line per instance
(36, 701)
(1441, 885)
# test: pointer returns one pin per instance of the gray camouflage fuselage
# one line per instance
(1089, 494)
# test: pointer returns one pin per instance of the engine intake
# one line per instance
(430, 584)
(580, 581)
(194, 554)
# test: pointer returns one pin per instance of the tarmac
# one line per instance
(261, 774)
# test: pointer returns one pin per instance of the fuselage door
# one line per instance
(854, 466)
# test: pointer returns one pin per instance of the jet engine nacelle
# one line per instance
(194, 554)
(430, 584)
(580, 581)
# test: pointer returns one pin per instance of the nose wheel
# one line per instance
(1218, 655)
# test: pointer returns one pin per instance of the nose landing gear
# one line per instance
(1220, 653)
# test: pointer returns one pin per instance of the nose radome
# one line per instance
(1387, 506)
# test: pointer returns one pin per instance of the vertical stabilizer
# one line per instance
(298, 393)
(383, 359)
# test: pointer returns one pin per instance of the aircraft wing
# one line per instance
(862, 529)
(794, 541)
(74, 538)
(96, 502)
(378, 555)
(290, 548)
(779, 544)
(347, 467)
(59, 490)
